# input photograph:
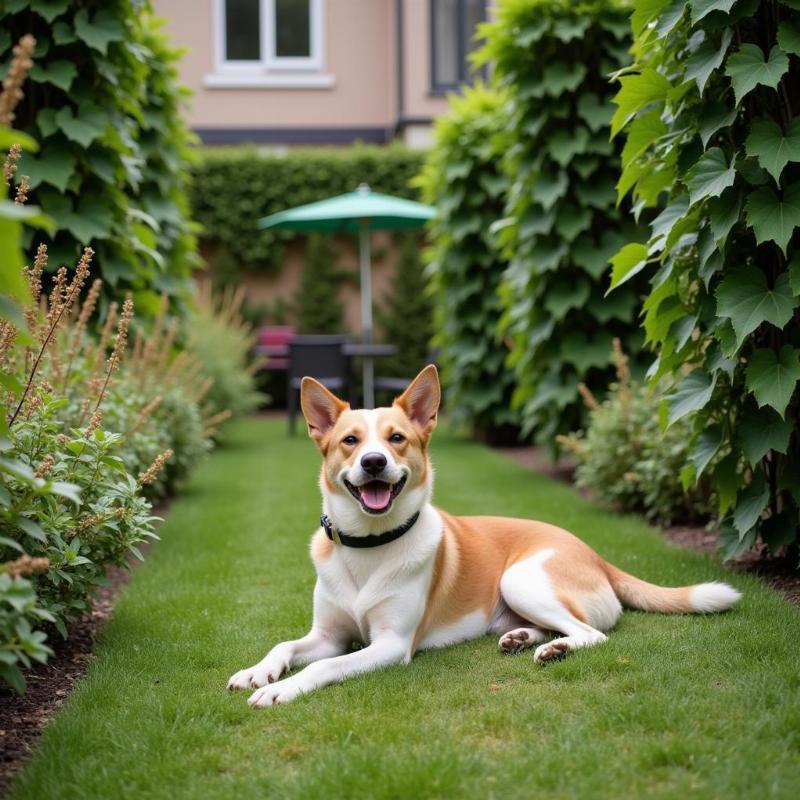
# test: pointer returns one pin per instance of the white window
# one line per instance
(268, 43)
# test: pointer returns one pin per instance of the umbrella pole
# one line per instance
(366, 311)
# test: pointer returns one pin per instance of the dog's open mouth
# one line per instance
(376, 496)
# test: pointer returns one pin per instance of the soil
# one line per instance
(780, 572)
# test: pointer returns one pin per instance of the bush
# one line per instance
(562, 223)
(406, 314)
(463, 178)
(317, 306)
(232, 188)
(710, 119)
(628, 462)
(103, 103)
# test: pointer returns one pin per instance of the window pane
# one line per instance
(242, 30)
(446, 67)
(474, 14)
(292, 28)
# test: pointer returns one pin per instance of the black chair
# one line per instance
(320, 357)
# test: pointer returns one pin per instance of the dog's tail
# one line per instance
(701, 598)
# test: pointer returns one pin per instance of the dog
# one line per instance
(401, 575)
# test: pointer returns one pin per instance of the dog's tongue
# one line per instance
(376, 495)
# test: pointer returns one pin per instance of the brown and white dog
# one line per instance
(400, 575)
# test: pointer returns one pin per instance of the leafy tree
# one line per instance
(317, 305)
(710, 110)
(407, 314)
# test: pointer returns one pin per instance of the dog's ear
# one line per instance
(421, 400)
(321, 408)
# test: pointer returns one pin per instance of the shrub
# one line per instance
(406, 314)
(628, 462)
(710, 113)
(103, 104)
(562, 224)
(317, 306)
(463, 178)
(232, 188)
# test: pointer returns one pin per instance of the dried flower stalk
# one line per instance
(12, 92)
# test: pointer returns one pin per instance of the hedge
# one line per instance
(710, 110)
(103, 104)
(464, 179)
(232, 188)
(562, 224)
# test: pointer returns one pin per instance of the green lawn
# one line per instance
(669, 707)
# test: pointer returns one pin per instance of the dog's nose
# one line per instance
(373, 463)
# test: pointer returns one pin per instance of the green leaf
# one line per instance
(744, 297)
(629, 261)
(63, 33)
(565, 144)
(701, 8)
(724, 212)
(708, 443)
(559, 78)
(726, 482)
(594, 112)
(733, 544)
(566, 295)
(778, 530)
(50, 9)
(636, 92)
(103, 29)
(794, 276)
(663, 224)
(54, 166)
(57, 73)
(549, 188)
(85, 128)
(706, 59)
(567, 29)
(642, 132)
(774, 218)
(772, 376)
(691, 394)
(9, 136)
(748, 68)
(762, 430)
(789, 38)
(774, 149)
(670, 17)
(710, 176)
(711, 118)
(750, 504)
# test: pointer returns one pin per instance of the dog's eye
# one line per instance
(397, 438)
(350, 440)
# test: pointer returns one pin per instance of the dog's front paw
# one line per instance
(275, 694)
(257, 676)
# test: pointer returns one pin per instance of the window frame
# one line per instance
(461, 43)
(269, 63)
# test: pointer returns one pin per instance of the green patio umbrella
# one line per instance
(358, 212)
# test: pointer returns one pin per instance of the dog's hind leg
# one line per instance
(520, 639)
(527, 590)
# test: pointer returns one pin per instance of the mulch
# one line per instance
(22, 719)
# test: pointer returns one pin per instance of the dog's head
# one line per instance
(375, 470)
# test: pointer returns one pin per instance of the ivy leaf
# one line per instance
(663, 224)
(58, 73)
(710, 176)
(691, 394)
(707, 446)
(566, 295)
(636, 92)
(750, 504)
(743, 296)
(559, 78)
(549, 188)
(711, 118)
(594, 112)
(772, 376)
(724, 213)
(568, 29)
(643, 132)
(706, 59)
(701, 8)
(789, 38)
(763, 430)
(50, 9)
(563, 144)
(103, 29)
(55, 165)
(85, 128)
(794, 276)
(670, 17)
(733, 544)
(774, 149)
(726, 481)
(774, 218)
(748, 68)
(629, 261)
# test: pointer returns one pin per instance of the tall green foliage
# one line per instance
(464, 179)
(102, 101)
(406, 314)
(317, 305)
(562, 224)
(232, 188)
(710, 110)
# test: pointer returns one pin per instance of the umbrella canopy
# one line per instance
(351, 212)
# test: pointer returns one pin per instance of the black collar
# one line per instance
(373, 540)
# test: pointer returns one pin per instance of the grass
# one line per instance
(671, 706)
